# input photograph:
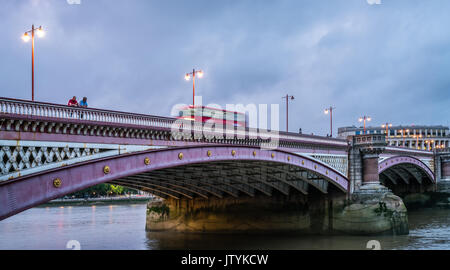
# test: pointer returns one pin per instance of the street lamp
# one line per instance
(364, 118)
(330, 110)
(417, 140)
(387, 126)
(26, 37)
(194, 72)
(287, 97)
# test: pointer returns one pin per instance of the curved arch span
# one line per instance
(398, 161)
(290, 170)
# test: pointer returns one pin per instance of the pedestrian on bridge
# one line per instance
(73, 103)
(83, 103)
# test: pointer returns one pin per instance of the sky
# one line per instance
(387, 59)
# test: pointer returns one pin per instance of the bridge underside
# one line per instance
(406, 178)
(188, 173)
(227, 179)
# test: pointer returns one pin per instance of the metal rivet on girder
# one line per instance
(106, 169)
(303, 162)
(315, 167)
(209, 153)
(289, 158)
(233, 153)
(254, 153)
(273, 155)
(146, 161)
(57, 183)
(180, 156)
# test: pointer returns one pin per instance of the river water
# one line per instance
(122, 226)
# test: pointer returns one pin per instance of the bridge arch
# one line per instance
(405, 171)
(192, 171)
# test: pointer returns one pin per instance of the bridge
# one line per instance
(50, 150)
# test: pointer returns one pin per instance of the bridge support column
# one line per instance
(371, 177)
(442, 170)
(373, 208)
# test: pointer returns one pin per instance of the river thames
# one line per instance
(122, 226)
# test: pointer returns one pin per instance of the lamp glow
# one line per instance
(26, 37)
(40, 32)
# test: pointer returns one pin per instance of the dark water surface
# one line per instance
(122, 226)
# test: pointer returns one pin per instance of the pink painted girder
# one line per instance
(25, 192)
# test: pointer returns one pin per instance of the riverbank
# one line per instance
(98, 201)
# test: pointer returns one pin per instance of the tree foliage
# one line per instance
(103, 190)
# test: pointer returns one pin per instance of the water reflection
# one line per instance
(123, 227)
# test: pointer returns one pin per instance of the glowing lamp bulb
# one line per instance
(40, 32)
(200, 74)
(326, 111)
(25, 37)
(187, 77)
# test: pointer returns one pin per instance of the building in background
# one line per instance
(417, 137)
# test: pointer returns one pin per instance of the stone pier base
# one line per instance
(294, 214)
(373, 212)
(384, 214)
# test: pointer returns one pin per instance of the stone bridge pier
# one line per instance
(372, 208)
(442, 170)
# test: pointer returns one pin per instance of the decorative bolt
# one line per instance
(315, 167)
(289, 158)
(209, 153)
(146, 161)
(233, 153)
(180, 156)
(303, 162)
(254, 153)
(57, 183)
(106, 169)
(273, 155)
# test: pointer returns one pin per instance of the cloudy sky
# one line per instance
(390, 61)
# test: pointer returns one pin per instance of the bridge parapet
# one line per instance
(42, 118)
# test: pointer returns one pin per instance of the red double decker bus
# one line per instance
(214, 115)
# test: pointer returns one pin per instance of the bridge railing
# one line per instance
(51, 110)
(43, 109)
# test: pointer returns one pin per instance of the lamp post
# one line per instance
(417, 140)
(40, 33)
(188, 76)
(364, 118)
(387, 126)
(287, 97)
(330, 110)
